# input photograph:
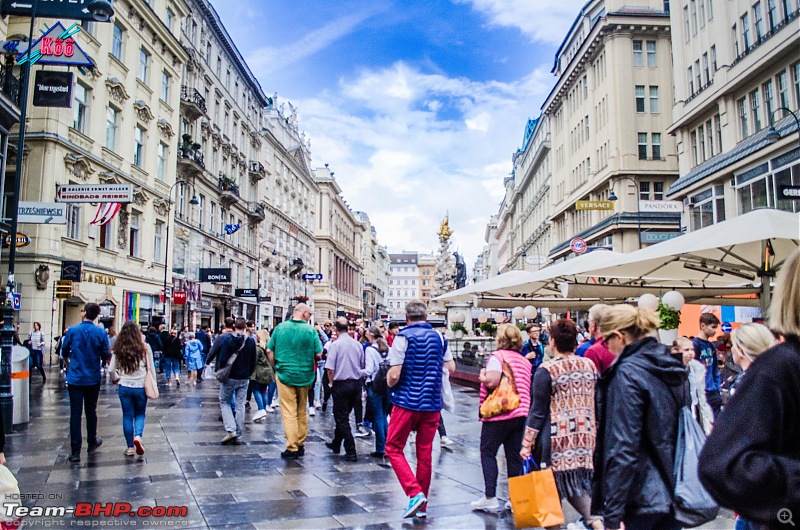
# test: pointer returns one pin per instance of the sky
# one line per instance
(417, 106)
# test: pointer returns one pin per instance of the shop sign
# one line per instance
(52, 89)
(179, 297)
(657, 237)
(57, 47)
(71, 270)
(785, 193)
(661, 206)
(215, 275)
(102, 279)
(206, 305)
(194, 291)
(246, 293)
(594, 205)
(122, 193)
(22, 240)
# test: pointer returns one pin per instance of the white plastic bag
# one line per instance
(208, 372)
(448, 399)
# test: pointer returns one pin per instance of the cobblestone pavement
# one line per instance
(248, 486)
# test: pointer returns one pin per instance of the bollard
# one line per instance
(20, 384)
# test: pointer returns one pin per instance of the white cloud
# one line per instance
(541, 21)
(407, 162)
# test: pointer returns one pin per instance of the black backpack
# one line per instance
(379, 385)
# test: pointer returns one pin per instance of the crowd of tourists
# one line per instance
(603, 413)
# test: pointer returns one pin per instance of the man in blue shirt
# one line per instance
(706, 352)
(533, 348)
(84, 348)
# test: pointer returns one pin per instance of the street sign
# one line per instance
(726, 327)
(71, 271)
(312, 277)
(246, 293)
(57, 48)
(53, 88)
(215, 275)
(63, 289)
(42, 213)
(122, 193)
(788, 193)
(578, 245)
(661, 206)
(594, 205)
(17, 301)
(22, 241)
(179, 298)
(72, 9)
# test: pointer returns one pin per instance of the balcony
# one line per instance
(256, 212)
(230, 191)
(256, 170)
(775, 29)
(190, 160)
(10, 85)
(193, 105)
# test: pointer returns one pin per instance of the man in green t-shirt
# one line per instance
(293, 350)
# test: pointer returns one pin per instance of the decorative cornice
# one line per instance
(117, 90)
(108, 177)
(140, 198)
(78, 165)
(165, 128)
(143, 112)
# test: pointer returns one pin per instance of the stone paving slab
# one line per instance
(249, 486)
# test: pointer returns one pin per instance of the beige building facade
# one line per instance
(427, 267)
(737, 75)
(608, 117)
(122, 129)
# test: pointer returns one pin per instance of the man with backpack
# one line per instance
(375, 370)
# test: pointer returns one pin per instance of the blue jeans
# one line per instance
(227, 391)
(172, 366)
(260, 393)
(271, 393)
(379, 405)
(134, 410)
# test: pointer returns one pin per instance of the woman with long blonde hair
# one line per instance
(131, 360)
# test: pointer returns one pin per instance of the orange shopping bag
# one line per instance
(534, 498)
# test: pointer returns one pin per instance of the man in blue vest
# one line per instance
(417, 357)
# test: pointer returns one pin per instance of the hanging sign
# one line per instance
(215, 275)
(179, 297)
(57, 47)
(22, 240)
(71, 270)
(94, 193)
(42, 213)
(52, 89)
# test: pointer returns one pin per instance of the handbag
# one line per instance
(694, 506)
(150, 385)
(534, 497)
(224, 373)
(504, 398)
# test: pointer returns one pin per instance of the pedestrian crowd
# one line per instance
(604, 414)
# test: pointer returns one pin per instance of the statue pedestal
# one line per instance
(462, 307)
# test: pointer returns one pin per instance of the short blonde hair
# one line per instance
(263, 338)
(682, 342)
(509, 337)
(753, 339)
(784, 316)
(635, 321)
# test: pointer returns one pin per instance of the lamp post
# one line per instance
(193, 201)
(613, 197)
(773, 135)
(101, 11)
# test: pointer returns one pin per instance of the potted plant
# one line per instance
(670, 320)
(488, 329)
(458, 329)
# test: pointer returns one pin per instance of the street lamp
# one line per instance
(194, 202)
(773, 135)
(613, 197)
(101, 11)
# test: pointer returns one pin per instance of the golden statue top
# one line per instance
(444, 230)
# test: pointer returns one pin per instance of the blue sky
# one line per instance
(416, 105)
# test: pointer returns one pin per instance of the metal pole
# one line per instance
(52, 318)
(6, 398)
(166, 260)
(638, 216)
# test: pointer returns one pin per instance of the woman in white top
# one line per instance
(377, 395)
(131, 360)
(37, 348)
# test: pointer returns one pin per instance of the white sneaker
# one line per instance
(275, 403)
(311, 411)
(269, 409)
(317, 404)
(259, 415)
(486, 505)
(509, 507)
(445, 441)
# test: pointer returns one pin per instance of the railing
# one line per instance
(190, 153)
(228, 186)
(191, 95)
(257, 168)
(10, 85)
(257, 208)
(750, 49)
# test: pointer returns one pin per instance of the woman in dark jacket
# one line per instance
(173, 355)
(638, 403)
(751, 461)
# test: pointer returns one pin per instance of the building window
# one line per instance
(112, 119)
(686, 28)
(644, 191)
(166, 84)
(642, 146)
(702, 13)
(772, 15)
(695, 158)
(710, 9)
(710, 137)
(705, 69)
(697, 75)
(74, 221)
(162, 161)
(718, 128)
(691, 80)
(158, 242)
(783, 89)
(787, 10)
(201, 217)
(116, 42)
(144, 65)
(133, 235)
(651, 53)
(639, 98)
(654, 99)
(735, 40)
(638, 58)
(80, 107)
(106, 236)
(88, 27)
(707, 208)
(170, 18)
(656, 145)
(769, 100)
(138, 147)
(745, 20)
(742, 103)
(755, 106)
(658, 191)
(758, 21)
(714, 58)
(701, 137)
(796, 81)
(212, 218)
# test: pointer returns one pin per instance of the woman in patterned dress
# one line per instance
(560, 431)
